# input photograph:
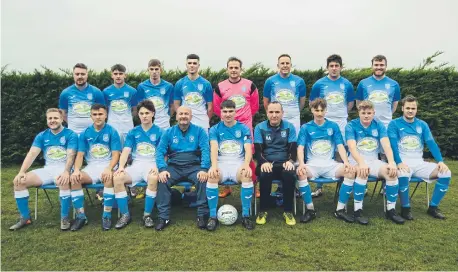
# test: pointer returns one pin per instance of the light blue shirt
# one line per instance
(143, 143)
(120, 102)
(97, 146)
(231, 141)
(55, 146)
(367, 139)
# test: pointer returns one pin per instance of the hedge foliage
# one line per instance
(26, 96)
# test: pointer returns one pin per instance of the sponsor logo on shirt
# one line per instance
(410, 143)
(367, 144)
(321, 148)
(56, 153)
(119, 106)
(193, 99)
(158, 102)
(334, 98)
(230, 147)
(175, 140)
(82, 109)
(239, 101)
(378, 97)
(99, 151)
(146, 149)
(285, 96)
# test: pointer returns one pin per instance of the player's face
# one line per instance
(409, 110)
(274, 114)
(146, 116)
(154, 72)
(318, 113)
(184, 116)
(379, 68)
(284, 66)
(80, 76)
(54, 120)
(192, 66)
(334, 69)
(234, 70)
(228, 115)
(98, 117)
(366, 116)
(118, 77)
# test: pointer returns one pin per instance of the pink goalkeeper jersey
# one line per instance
(245, 95)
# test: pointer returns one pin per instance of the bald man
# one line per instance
(187, 148)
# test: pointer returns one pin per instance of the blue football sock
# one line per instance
(212, 198)
(404, 191)
(22, 201)
(108, 199)
(65, 202)
(149, 201)
(246, 194)
(344, 192)
(122, 200)
(78, 203)
(439, 190)
(392, 188)
(359, 190)
(306, 193)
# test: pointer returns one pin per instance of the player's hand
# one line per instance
(164, 176)
(402, 167)
(392, 170)
(202, 176)
(75, 178)
(20, 177)
(266, 167)
(121, 171)
(301, 170)
(63, 179)
(348, 168)
(246, 170)
(107, 175)
(442, 167)
(213, 172)
(153, 171)
(288, 166)
(363, 170)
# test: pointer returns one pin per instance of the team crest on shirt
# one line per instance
(191, 139)
(283, 133)
(374, 132)
(162, 91)
(387, 86)
(330, 131)
(105, 137)
(243, 88)
(126, 94)
(200, 87)
(62, 140)
(89, 96)
(342, 86)
(175, 140)
(268, 138)
(292, 83)
(152, 137)
(419, 130)
(238, 134)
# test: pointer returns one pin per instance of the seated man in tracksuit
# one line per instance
(276, 152)
(188, 151)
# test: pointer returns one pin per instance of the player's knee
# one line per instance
(77, 186)
(403, 174)
(108, 183)
(214, 180)
(118, 181)
(64, 187)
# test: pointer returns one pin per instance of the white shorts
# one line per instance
(139, 171)
(419, 169)
(229, 170)
(374, 166)
(324, 171)
(296, 121)
(95, 171)
(48, 175)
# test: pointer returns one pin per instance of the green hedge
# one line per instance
(26, 96)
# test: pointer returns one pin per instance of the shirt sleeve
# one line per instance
(302, 135)
(393, 136)
(254, 99)
(267, 89)
(170, 92)
(63, 101)
(82, 144)
(134, 98)
(360, 92)
(337, 135)
(247, 135)
(162, 150)
(205, 150)
(140, 93)
(208, 95)
(213, 133)
(350, 92)
(72, 141)
(38, 141)
(257, 135)
(431, 143)
(315, 92)
(302, 88)
(115, 144)
(177, 92)
(292, 134)
(397, 93)
(381, 130)
(129, 142)
(105, 96)
(349, 132)
(217, 101)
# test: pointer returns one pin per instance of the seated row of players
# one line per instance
(189, 158)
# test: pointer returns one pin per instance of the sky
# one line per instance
(59, 33)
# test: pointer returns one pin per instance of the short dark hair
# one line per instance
(284, 55)
(317, 102)
(193, 56)
(334, 58)
(119, 67)
(234, 59)
(98, 106)
(148, 104)
(154, 62)
(228, 104)
(379, 58)
(409, 98)
(274, 103)
(80, 65)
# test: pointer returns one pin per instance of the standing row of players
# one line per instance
(98, 151)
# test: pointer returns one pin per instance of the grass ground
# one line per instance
(324, 244)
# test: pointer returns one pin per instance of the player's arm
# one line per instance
(63, 105)
(265, 102)
(301, 170)
(210, 109)
(359, 93)
(266, 94)
(176, 104)
(434, 148)
(214, 171)
(264, 164)
(301, 103)
(28, 160)
(350, 96)
(65, 116)
(389, 156)
(78, 162)
(396, 97)
(161, 151)
(343, 153)
(302, 89)
(177, 95)
(123, 158)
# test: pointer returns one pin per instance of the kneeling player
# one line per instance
(230, 145)
(408, 136)
(320, 138)
(100, 145)
(141, 141)
(366, 138)
(59, 145)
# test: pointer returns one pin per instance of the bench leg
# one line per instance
(36, 204)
